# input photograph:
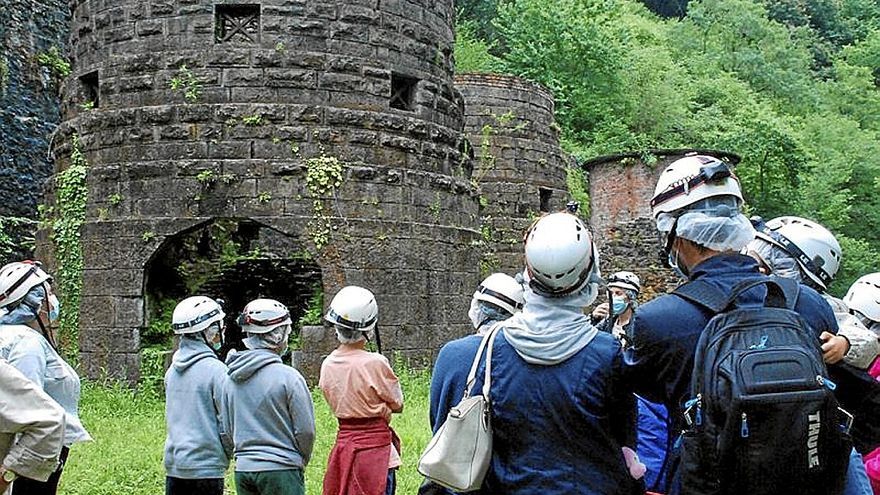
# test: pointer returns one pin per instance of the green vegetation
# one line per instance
(55, 62)
(255, 119)
(576, 180)
(791, 86)
(71, 196)
(187, 82)
(323, 178)
(129, 434)
(8, 243)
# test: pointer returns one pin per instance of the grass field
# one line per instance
(129, 433)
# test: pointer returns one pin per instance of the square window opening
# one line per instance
(237, 23)
(403, 90)
(89, 89)
(546, 195)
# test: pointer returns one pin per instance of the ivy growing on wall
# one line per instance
(576, 180)
(323, 178)
(71, 197)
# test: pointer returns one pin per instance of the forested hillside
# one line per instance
(790, 85)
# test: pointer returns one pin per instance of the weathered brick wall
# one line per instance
(621, 187)
(314, 77)
(515, 140)
(28, 106)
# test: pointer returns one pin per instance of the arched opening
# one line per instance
(236, 260)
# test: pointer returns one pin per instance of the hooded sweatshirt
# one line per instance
(197, 445)
(271, 408)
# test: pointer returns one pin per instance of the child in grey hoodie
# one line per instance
(197, 448)
(270, 407)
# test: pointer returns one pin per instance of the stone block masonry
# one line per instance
(201, 111)
(518, 162)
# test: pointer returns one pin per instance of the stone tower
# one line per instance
(517, 161)
(621, 188)
(206, 122)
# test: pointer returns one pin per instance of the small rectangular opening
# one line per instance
(89, 90)
(546, 195)
(237, 23)
(403, 89)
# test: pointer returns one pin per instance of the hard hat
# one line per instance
(195, 314)
(560, 253)
(501, 290)
(625, 280)
(814, 247)
(692, 179)
(18, 278)
(263, 316)
(354, 308)
(864, 296)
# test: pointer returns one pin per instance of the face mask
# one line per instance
(54, 308)
(618, 305)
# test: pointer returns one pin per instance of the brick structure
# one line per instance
(195, 114)
(621, 187)
(29, 109)
(517, 160)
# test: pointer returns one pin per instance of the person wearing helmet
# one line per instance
(800, 249)
(362, 391)
(269, 407)
(863, 300)
(28, 308)
(623, 292)
(697, 207)
(197, 445)
(555, 377)
(498, 297)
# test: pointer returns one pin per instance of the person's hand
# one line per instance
(601, 312)
(834, 347)
(3, 485)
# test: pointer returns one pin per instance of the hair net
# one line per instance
(714, 223)
(275, 339)
(777, 259)
(481, 312)
(26, 310)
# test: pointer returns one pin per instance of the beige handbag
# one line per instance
(458, 455)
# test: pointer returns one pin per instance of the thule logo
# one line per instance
(813, 440)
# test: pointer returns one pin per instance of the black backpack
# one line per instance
(762, 418)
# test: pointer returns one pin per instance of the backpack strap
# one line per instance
(781, 293)
(703, 294)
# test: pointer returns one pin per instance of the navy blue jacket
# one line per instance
(666, 330)
(557, 429)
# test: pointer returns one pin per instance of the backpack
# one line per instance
(762, 418)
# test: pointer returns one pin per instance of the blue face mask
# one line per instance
(54, 307)
(618, 305)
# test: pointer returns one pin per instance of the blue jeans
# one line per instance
(857, 482)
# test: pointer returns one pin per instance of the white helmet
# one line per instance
(560, 255)
(864, 296)
(354, 308)
(263, 316)
(18, 278)
(501, 290)
(625, 280)
(195, 314)
(814, 247)
(691, 179)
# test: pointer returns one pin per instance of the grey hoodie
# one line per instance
(197, 445)
(271, 410)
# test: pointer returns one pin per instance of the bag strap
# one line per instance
(781, 293)
(487, 378)
(472, 374)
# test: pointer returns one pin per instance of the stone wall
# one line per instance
(28, 108)
(621, 188)
(517, 161)
(194, 110)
